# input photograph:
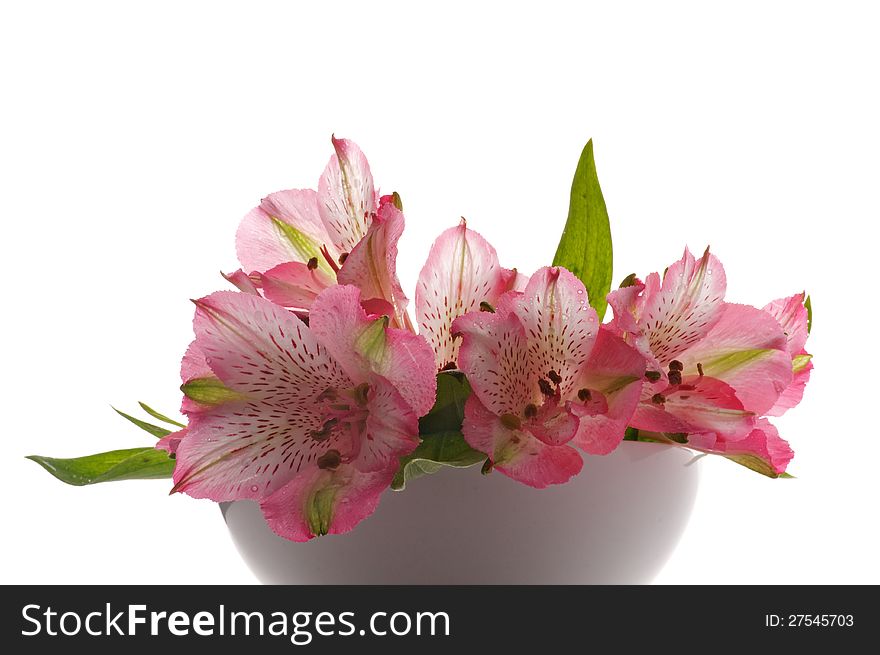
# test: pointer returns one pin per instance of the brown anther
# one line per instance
(361, 393)
(674, 377)
(676, 365)
(330, 460)
(658, 399)
(653, 376)
(531, 411)
(700, 369)
(545, 387)
(450, 366)
(342, 258)
(584, 395)
(486, 307)
(511, 421)
(313, 264)
(555, 378)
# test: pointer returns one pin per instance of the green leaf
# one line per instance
(152, 412)
(585, 246)
(448, 411)
(130, 464)
(809, 306)
(155, 430)
(435, 451)
(440, 430)
(209, 391)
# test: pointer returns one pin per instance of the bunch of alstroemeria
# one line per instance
(310, 391)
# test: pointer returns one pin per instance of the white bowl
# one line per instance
(615, 523)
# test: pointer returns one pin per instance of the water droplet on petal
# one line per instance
(254, 488)
(709, 271)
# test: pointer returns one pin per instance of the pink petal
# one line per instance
(794, 392)
(461, 272)
(494, 355)
(346, 197)
(243, 282)
(372, 263)
(286, 227)
(170, 442)
(746, 348)
(294, 284)
(251, 445)
(554, 425)
(763, 443)
(516, 453)
(614, 370)
(193, 366)
(364, 346)
(349, 495)
(513, 280)
(791, 314)
(699, 404)
(560, 325)
(392, 428)
(681, 310)
(627, 304)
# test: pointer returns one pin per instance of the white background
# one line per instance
(134, 137)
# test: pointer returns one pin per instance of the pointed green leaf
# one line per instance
(435, 451)
(585, 246)
(130, 464)
(155, 430)
(152, 412)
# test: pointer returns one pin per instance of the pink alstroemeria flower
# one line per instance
(713, 368)
(308, 420)
(545, 377)
(461, 273)
(299, 242)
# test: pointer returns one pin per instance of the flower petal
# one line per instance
(494, 357)
(294, 284)
(560, 325)
(794, 392)
(462, 271)
(683, 308)
(254, 442)
(516, 453)
(170, 442)
(346, 196)
(746, 348)
(699, 404)
(286, 227)
(763, 450)
(364, 346)
(243, 282)
(791, 314)
(324, 502)
(194, 366)
(392, 428)
(372, 263)
(616, 371)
